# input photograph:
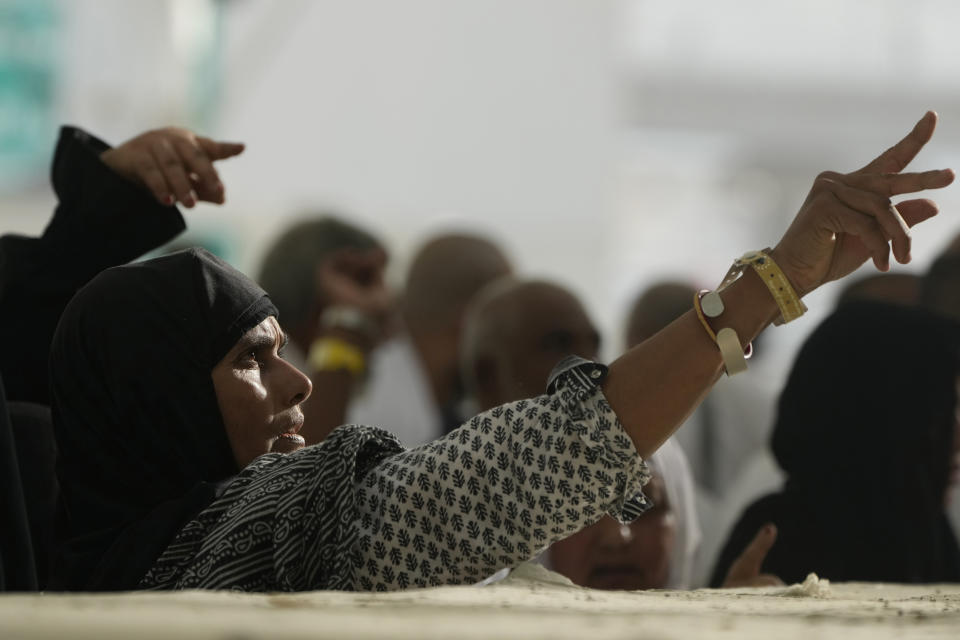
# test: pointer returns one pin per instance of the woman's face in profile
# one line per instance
(609, 555)
(259, 394)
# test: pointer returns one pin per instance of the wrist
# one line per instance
(749, 308)
(793, 272)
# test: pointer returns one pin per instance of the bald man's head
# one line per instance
(444, 275)
(515, 333)
(655, 308)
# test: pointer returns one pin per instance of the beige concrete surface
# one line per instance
(532, 603)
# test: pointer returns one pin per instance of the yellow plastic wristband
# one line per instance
(334, 354)
(790, 305)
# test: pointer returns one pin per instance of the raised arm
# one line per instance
(846, 219)
(103, 218)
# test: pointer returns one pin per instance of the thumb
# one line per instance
(748, 565)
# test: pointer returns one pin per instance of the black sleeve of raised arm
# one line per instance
(101, 220)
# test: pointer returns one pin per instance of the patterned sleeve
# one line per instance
(499, 489)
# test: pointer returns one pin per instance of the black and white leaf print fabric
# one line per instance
(359, 512)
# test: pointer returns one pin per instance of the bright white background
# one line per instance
(605, 143)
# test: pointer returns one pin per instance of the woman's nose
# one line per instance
(297, 383)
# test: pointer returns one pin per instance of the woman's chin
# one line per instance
(288, 443)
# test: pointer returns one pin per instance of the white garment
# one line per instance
(397, 395)
(759, 476)
(670, 463)
(724, 438)
(731, 425)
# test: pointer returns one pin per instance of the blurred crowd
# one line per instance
(852, 481)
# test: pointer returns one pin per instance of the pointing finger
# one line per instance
(751, 560)
(896, 158)
(220, 150)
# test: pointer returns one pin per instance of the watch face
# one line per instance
(711, 304)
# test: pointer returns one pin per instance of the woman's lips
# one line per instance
(292, 428)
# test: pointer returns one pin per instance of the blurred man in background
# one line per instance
(415, 385)
(516, 332)
(326, 277)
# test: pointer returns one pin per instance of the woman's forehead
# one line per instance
(266, 333)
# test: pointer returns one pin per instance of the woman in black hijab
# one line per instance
(866, 433)
(142, 441)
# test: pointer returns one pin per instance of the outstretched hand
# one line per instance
(745, 570)
(174, 164)
(848, 218)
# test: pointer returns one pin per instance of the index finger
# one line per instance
(751, 560)
(897, 157)
(220, 150)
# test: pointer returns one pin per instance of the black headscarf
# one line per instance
(141, 441)
(864, 432)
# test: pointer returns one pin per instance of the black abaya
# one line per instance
(142, 444)
(865, 434)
